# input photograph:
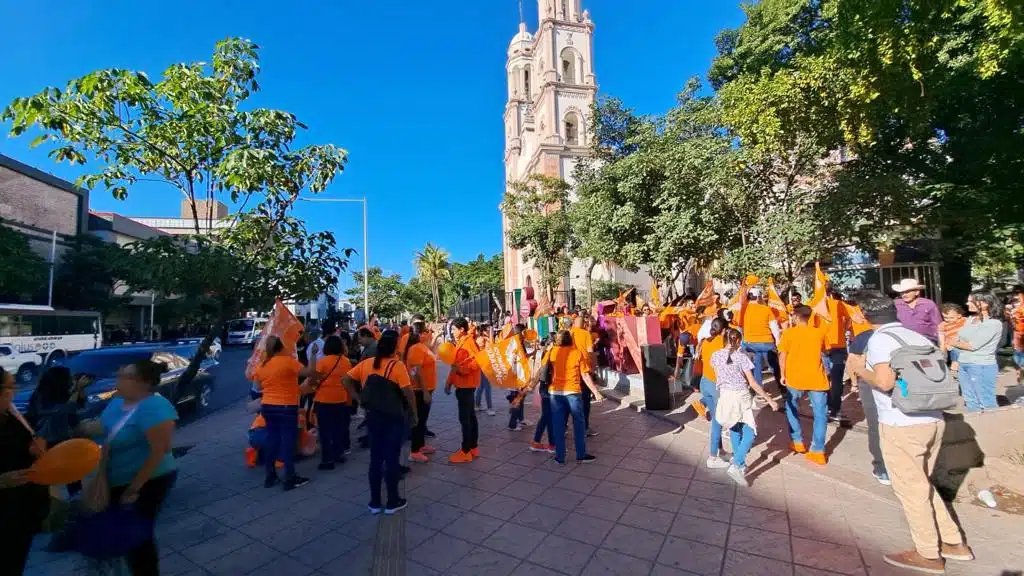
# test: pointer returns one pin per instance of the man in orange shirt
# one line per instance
(835, 353)
(800, 356)
(584, 342)
(760, 333)
(464, 378)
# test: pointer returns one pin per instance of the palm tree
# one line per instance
(432, 265)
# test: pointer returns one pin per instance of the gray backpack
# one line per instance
(923, 381)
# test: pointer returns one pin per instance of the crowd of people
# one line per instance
(866, 340)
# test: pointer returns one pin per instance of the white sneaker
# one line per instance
(738, 475)
(716, 462)
(490, 413)
(526, 423)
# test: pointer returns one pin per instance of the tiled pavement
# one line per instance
(645, 507)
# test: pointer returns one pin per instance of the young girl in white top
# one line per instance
(735, 409)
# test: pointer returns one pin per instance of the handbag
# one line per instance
(96, 492)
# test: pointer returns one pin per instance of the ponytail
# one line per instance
(733, 338)
(415, 331)
(385, 347)
(272, 347)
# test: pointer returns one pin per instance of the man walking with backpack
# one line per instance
(910, 387)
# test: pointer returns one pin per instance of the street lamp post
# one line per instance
(366, 260)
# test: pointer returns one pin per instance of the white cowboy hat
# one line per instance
(906, 285)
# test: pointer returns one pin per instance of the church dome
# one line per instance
(522, 42)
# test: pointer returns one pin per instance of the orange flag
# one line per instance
(858, 323)
(776, 303)
(706, 296)
(655, 297)
(738, 303)
(284, 325)
(819, 301)
(505, 363)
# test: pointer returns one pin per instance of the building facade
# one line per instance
(212, 215)
(551, 92)
(38, 204)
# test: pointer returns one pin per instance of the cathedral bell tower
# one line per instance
(551, 90)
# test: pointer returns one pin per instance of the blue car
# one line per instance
(102, 364)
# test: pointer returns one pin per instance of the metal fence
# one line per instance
(479, 308)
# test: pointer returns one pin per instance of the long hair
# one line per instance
(385, 347)
(995, 309)
(272, 347)
(718, 325)
(54, 388)
(564, 338)
(733, 339)
(418, 328)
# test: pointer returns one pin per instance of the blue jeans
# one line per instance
(818, 399)
(709, 396)
(515, 413)
(387, 433)
(561, 408)
(954, 354)
(764, 352)
(332, 421)
(544, 424)
(978, 385)
(282, 434)
(1018, 358)
(742, 439)
(484, 390)
(835, 365)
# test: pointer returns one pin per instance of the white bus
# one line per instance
(245, 331)
(53, 334)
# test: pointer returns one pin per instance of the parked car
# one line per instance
(215, 346)
(102, 364)
(23, 365)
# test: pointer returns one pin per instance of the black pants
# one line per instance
(587, 397)
(419, 431)
(143, 560)
(467, 418)
(332, 421)
(14, 548)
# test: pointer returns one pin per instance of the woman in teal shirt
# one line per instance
(139, 425)
(978, 341)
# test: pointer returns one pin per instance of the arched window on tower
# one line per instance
(526, 83)
(568, 66)
(565, 9)
(572, 129)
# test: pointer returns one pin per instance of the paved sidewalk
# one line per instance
(647, 506)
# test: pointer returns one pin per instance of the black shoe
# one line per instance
(271, 481)
(326, 466)
(587, 458)
(340, 460)
(403, 470)
(430, 434)
(400, 504)
(560, 462)
(295, 482)
(374, 509)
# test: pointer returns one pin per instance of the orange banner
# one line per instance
(284, 325)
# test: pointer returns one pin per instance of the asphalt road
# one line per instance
(230, 385)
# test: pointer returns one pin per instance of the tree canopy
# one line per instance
(540, 225)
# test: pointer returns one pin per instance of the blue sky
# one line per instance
(415, 93)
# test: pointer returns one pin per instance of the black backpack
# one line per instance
(383, 395)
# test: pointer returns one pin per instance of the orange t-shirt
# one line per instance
(710, 346)
(566, 365)
(279, 378)
(423, 360)
(403, 341)
(399, 374)
(584, 342)
(331, 370)
(835, 331)
(465, 372)
(756, 320)
(803, 347)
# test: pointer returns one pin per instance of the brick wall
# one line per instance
(28, 201)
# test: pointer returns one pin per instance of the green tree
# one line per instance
(923, 95)
(478, 276)
(88, 274)
(22, 271)
(417, 297)
(188, 131)
(433, 267)
(540, 225)
(386, 292)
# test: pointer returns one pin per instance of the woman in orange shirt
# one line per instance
(332, 404)
(279, 378)
(422, 366)
(709, 389)
(464, 377)
(567, 369)
(388, 398)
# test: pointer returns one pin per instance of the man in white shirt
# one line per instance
(910, 446)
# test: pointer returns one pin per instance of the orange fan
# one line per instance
(67, 462)
(446, 352)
